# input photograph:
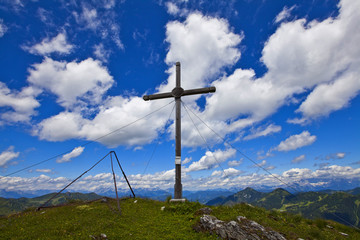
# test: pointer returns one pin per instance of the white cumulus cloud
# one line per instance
(263, 131)
(101, 53)
(229, 172)
(115, 113)
(3, 28)
(8, 155)
(241, 94)
(80, 88)
(334, 156)
(18, 106)
(284, 14)
(211, 160)
(73, 154)
(235, 163)
(298, 159)
(329, 97)
(44, 170)
(101, 21)
(320, 59)
(72, 82)
(47, 46)
(186, 160)
(88, 17)
(172, 8)
(296, 141)
(262, 164)
(203, 45)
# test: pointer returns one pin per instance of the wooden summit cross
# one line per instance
(177, 92)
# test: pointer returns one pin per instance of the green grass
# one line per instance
(291, 226)
(141, 220)
(145, 220)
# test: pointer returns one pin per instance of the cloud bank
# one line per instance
(296, 178)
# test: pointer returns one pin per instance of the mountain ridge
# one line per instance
(15, 205)
(341, 206)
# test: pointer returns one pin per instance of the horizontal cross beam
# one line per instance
(179, 92)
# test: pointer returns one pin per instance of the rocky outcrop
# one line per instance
(242, 229)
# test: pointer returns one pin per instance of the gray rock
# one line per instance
(242, 229)
(344, 234)
(102, 236)
(256, 226)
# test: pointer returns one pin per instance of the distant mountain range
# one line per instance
(14, 205)
(25, 194)
(13, 202)
(161, 195)
(340, 206)
(155, 194)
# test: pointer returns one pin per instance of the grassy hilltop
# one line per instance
(13, 205)
(144, 219)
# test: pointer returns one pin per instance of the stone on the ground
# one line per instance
(236, 230)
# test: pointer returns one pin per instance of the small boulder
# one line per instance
(102, 236)
(236, 230)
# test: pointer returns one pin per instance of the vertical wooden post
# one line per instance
(178, 185)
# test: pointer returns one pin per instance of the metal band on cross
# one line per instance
(177, 93)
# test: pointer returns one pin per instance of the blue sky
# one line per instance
(286, 73)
